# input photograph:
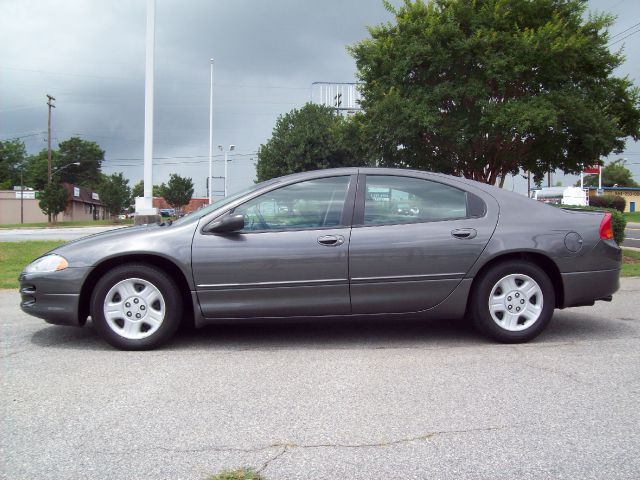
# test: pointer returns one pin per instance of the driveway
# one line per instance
(326, 400)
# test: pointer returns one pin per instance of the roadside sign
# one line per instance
(600, 192)
(29, 195)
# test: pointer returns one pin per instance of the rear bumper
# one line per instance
(583, 288)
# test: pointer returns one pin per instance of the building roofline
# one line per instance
(633, 189)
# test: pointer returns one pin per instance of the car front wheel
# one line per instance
(513, 302)
(136, 307)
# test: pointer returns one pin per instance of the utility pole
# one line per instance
(50, 105)
(209, 181)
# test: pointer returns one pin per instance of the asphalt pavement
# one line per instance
(632, 235)
(326, 400)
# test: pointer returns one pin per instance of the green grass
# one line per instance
(14, 256)
(630, 263)
(632, 217)
(79, 223)
(242, 474)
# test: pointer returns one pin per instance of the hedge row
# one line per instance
(608, 201)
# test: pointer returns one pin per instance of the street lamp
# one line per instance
(226, 152)
(77, 164)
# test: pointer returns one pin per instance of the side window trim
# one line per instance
(359, 207)
(345, 219)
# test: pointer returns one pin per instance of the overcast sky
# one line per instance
(90, 56)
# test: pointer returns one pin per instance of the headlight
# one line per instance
(46, 264)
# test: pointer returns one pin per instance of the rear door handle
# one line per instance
(464, 233)
(331, 240)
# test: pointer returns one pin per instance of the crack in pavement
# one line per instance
(287, 446)
(272, 459)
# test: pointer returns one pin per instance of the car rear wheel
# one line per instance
(513, 302)
(136, 307)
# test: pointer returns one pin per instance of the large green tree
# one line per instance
(115, 193)
(177, 191)
(12, 155)
(614, 173)
(88, 154)
(138, 190)
(485, 88)
(53, 200)
(310, 138)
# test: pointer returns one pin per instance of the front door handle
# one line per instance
(331, 240)
(464, 233)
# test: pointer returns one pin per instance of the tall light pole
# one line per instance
(144, 205)
(226, 152)
(210, 186)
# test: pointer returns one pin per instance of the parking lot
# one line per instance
(326, 400)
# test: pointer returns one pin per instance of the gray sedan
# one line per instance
(343, 242)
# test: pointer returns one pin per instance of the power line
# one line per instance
(623, 31)
(620, 40)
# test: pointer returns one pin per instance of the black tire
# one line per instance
(140, 277)
(482, 292)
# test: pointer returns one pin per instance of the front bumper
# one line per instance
(55, 296)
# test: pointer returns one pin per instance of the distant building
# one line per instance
(630, 194)
(83, 204)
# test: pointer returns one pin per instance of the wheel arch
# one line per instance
(156, 261)
(536, 258)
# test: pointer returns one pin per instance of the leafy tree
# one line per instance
(310, 138)
(178, 191)
(485, 88)
(36, 169)
(115, 193)
(615, 173)
(138, 190)
(12, 155)
(88, 154)
(53, 200)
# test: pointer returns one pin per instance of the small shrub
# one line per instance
(609, 201)
(241, 474)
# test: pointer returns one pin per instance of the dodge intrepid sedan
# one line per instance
(344, 242)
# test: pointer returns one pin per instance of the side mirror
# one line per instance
(226, 224)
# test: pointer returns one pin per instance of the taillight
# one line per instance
(606, 227)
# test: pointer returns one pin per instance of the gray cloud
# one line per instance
(90, 56)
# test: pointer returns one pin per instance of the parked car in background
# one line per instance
(167, 212)
(345, 242)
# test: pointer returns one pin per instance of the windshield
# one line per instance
(198, 214)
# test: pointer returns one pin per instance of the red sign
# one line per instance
(595, 169)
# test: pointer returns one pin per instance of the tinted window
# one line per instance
(311, 204)
(404, 200)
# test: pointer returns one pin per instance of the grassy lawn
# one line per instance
(630, 263)
(632, 217)
(83, 223)
(14, 256)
